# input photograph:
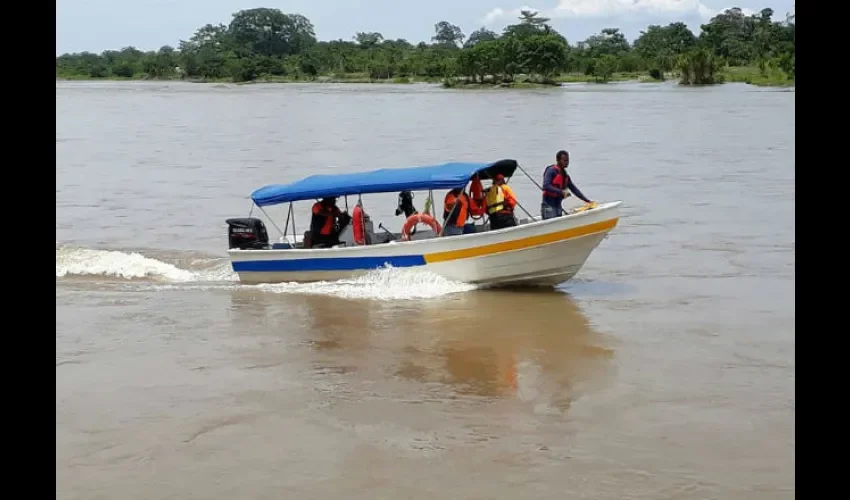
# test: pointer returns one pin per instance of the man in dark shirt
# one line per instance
(557, 185)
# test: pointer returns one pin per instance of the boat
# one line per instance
(535, 252)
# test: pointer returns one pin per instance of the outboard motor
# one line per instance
(247, 234)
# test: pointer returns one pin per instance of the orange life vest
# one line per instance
(477, 207)
(559, 182)
(456, 209)
(323, 218)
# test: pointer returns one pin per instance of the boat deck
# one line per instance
(381, 237)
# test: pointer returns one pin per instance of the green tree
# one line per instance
(546, 55)
(479, 35)
(447, 34)
(530, 24)
(368, 40)
(267, 42)
(513, 57)
(610, 41)
(730, 36)
(604, 67)
(270, 32)
(656, 41)
(698, 66)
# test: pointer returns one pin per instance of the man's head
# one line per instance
(562, 158)
(499, 179)
(329, 201)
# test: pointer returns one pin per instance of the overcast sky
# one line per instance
(98, 25)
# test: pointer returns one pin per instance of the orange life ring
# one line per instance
(357, 219)
(416, 219)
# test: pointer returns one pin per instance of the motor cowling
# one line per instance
(247, 234)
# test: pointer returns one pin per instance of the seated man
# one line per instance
(500, 204)
(455, 212)
(327, 223)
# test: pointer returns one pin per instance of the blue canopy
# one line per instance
(385, 180)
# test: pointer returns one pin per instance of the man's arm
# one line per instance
(316, 218)
(572, 187)
(448, 206)
(510, 197)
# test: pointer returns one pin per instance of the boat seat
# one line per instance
(308, 239)
(346, 237)
(369, 231)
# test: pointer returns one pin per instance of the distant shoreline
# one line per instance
(266, 45)
(743, 74)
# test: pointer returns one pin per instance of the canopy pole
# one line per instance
(524, 210)
(563, 212)
(251, 212)
(346, 203)
(529, 177)
(272, 221)
(449, 216)
(517, 201)
(288, 214)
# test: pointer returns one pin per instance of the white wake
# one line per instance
(382, 284)
(191, 273)
(83, 262)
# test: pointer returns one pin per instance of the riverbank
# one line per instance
(348, 78)
(526, 83)
(752, 75)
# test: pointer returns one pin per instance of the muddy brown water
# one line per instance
(666, 369)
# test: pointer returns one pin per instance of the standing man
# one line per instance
(557, 186)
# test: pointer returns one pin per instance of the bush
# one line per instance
(123, 70)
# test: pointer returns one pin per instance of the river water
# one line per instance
(665, 369)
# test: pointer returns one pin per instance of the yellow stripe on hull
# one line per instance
(519, 244)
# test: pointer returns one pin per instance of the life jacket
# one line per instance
(357, 225)
(456, 209)
(323, 219)
(476, 201)
(495, 199)
(559, 182)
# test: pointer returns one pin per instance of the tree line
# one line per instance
(265, 43)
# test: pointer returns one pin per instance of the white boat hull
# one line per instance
(537, 253)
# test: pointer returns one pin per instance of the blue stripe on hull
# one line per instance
(327, 264)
